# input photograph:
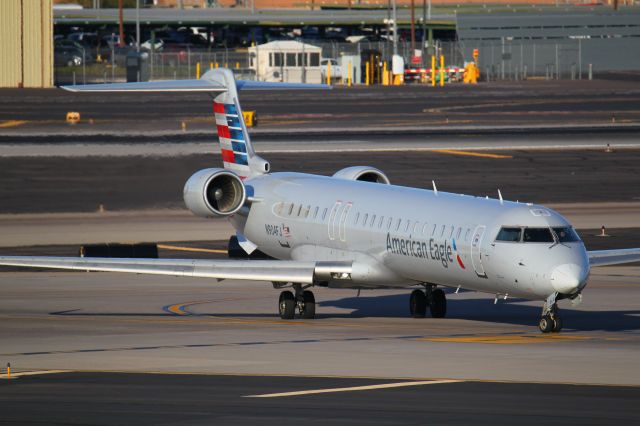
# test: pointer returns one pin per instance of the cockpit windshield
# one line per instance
(509, 234)
(566, 235)
(538, 235)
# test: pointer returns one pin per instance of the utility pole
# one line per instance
(413, 29)
(120, 19)
(138, 26)
(395, 28)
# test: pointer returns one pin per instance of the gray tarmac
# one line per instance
(196, 399)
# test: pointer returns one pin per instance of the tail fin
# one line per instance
(238, 154)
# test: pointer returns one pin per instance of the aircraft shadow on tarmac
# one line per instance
(509, 312)
(397, 306)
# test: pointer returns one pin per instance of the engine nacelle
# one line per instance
(362, 173)
(214, 193)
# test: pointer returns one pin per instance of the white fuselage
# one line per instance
(397, 236)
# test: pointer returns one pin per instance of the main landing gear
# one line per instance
(302, 300)
(550, 321)
(432, 298)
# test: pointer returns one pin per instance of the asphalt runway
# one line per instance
(82, 184)
(595, 103)
(196, 399)
(123, 322)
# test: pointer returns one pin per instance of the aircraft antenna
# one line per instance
(500, 196)
(435, 190)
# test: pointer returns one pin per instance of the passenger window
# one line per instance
(299, 210)
(373, 220)
(389, 223)
(458, 234)
(364, 221)
(442, 230)
(452, 229)
(537, 235)
(433, 231)
(509, 234)
(324, 213)
(566, 235)
(415, 227)
(398, 224)
(290, 209)
(279, 207)
(307, 211)
(355, 222)
(315, 212)
(406, 227)
(466, 234)
(380, 222)
(424, 229)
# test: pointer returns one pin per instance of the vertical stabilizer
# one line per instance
(235, 145)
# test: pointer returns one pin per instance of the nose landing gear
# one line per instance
(432, 298)
(304, 301)
(550, 321)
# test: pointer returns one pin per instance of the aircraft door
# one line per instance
(476, 254)
(332, 225)
(342, 232)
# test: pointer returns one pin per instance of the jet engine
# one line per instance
(214, 193)
(362, 173)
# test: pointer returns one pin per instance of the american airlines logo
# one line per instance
(441, 252)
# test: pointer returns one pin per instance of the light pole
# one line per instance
(138, 26)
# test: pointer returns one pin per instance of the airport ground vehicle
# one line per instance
(355, 229)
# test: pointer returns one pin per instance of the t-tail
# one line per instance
(237, 152)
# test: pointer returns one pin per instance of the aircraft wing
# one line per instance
(288, 271)
(613, 257)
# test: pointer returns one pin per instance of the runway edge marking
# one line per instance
(354, 388)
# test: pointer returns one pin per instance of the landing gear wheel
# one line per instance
(418, 304)
(309, 305)
(287, 305)
(557, 325)
(438, 303)
(546, 324)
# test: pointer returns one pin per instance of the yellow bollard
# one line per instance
(433, 71)
(217, 65)
(441, 70)
(9, 364)
(210, 65)
(385, 76)
(226, 64)
(237, 65)
(328, 73)
(183, 125)
(73, 117)
(366, 71)
(197, 70)
(349, 75)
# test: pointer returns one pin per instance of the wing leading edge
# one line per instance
(288, 271)
(613, 257)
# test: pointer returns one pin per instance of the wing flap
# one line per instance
(254, 270)
(613, 257)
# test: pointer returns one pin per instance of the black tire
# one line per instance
(309, 300)
(557, 325)
(546, 324)
(438, 304)
(418, 304)
(287, 305)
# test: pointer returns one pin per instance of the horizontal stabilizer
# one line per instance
(210, 82)
(614, 257)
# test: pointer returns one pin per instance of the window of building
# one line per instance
(314, 59)
(277, 59)
(290, 59)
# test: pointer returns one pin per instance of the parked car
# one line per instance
(68, 56)
(336, 70)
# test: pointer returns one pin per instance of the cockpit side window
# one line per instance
(566, 235)
(510, 234)
(538, 235)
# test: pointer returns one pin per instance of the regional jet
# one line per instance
(355, 230)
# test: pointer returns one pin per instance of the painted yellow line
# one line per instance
(11, 123)
(471, 153)
(32, 373)
(194, 249)
(354, 388)
(508, 339)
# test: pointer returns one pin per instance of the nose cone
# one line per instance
(569, 277)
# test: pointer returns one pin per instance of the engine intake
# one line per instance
(214, 193)
(362, 173)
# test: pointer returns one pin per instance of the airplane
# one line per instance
(356, 230)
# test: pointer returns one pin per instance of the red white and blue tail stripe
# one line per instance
(234, 145)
